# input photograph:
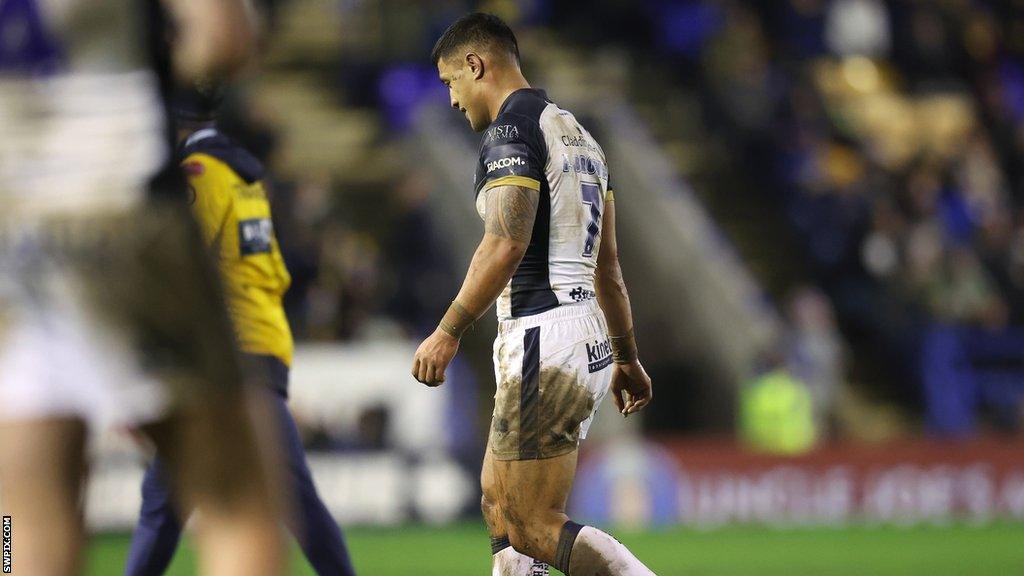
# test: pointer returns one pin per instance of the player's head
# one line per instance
(472, 56)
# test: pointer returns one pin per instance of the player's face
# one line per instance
(464, 92)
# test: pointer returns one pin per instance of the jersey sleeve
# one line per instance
(513, 153)
(211, 202)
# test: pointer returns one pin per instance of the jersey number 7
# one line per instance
(591, 194)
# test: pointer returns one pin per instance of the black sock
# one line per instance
(498, 544)
(565, 542)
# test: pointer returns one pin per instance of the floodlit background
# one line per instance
(821, 227)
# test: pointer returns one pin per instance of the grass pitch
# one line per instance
(860, 551)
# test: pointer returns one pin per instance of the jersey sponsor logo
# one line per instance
(502, 132)
(584, 164)
(599, 355)
(505, 163)
(579, 141)
(255, 236)
(579, 294)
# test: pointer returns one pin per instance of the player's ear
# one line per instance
(475, 65)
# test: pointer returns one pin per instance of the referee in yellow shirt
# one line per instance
(233, 212)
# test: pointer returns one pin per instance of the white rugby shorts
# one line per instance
(552, 370)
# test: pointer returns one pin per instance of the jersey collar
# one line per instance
(508, 99)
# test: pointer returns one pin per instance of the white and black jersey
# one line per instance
(535, 144)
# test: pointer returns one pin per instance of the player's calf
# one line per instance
(506, 560)
(585, 550)
(576, 550)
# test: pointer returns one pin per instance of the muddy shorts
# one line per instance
(113, 319)
(552, 370)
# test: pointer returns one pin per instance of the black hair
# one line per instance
(475, 29)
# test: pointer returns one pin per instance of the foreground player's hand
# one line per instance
(631, 387)
(433, 356)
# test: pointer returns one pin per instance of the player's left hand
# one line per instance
(631, 387)
(433, 356)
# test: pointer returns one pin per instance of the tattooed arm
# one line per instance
(508, 226)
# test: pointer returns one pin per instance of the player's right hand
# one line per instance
(433, 357)
(631, 387)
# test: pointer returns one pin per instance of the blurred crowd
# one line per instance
(891, 134)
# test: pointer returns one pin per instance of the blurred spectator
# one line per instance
(776, 414)
(815, 351)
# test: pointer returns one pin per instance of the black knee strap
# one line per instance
(565, 543)
(499, 544)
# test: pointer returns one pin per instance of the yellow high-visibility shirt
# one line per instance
(234, 216)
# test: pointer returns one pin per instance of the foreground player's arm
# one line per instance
(508, 225)
(629, 376)
(216, 37)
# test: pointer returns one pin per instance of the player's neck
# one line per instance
(508, 85)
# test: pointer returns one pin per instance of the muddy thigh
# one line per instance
(539, 417)
(504, 434)
(564, 403)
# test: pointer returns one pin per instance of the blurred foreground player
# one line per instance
(548, 256)
(231, 207)
(109, 312)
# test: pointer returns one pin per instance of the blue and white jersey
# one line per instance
(535, 144)
(82, 121)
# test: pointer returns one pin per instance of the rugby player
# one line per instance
(565, 335)
(231, 206)
(110, 314)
